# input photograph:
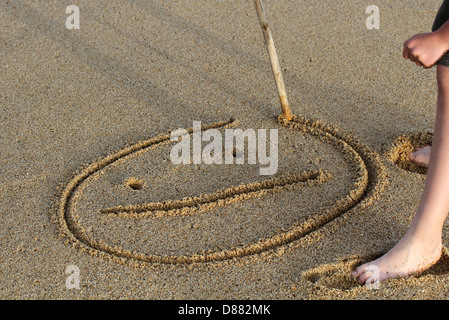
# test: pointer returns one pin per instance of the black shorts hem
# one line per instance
(440, 19)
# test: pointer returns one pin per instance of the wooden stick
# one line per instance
(275, 67)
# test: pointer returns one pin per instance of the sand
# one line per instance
(87, 181)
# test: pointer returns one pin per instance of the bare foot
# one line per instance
(421, 156)
(409, 257)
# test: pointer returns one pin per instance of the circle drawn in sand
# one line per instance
(404, 146)
(369, 181)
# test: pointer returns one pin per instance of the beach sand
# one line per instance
(86, 178)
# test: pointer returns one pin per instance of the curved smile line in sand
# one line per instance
(370, 181)
(219, 198)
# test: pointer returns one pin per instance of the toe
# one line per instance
(364, 277)
(372, 279)
(359, 270)
(412, 156)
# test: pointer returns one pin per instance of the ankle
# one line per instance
(424, 235)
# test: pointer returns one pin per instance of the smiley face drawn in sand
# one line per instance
(134, 206)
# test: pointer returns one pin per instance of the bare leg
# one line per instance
(421, 246)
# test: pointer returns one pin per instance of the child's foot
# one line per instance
(421, 156)
(408, 257)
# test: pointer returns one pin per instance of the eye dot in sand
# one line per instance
(135, 183)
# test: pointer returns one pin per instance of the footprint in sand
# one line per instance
(404, 146)
(334, 276)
